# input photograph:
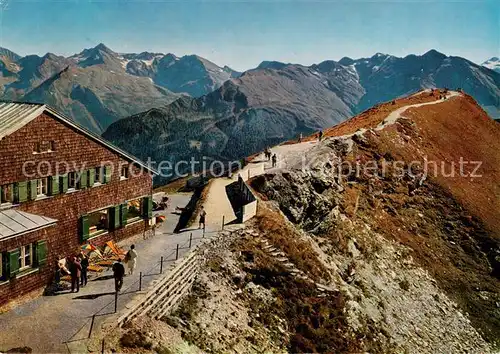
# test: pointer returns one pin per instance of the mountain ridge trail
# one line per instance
(289, 155)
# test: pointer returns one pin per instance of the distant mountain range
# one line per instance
(183, 106)
(99, 86)
(278, 101)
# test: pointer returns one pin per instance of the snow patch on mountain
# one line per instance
(493, 64)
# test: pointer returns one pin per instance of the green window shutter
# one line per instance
(53, 185)
(114, 217)
(63, 183)
(41, 252)
(32, 189)
(13, 259)
(107, 174)
(91, 177)
(82, 180)
(123, 214)
(84, 228)
(147, 207)
(20, 192)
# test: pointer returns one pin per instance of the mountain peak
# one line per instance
(102, 47)
(50, 56)
(379, 55)
(434, 54)
(346, 61)
(100, 54)
(266, 64)
(9, 54)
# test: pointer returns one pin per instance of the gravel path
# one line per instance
(217, 204)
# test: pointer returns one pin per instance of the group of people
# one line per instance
(77, 268)
(270, 156)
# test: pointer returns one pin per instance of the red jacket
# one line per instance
(75, 268)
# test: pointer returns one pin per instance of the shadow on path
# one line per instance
(258, 161)
(92, 296)
(104, 277)
(190, 229)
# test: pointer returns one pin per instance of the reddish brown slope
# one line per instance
(375, 115)
(449, 132)
(451, 224)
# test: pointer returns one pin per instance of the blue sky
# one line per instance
(241, 34)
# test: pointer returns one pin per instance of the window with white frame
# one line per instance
(134, 209)
(41, 187)
(98, 175)
(124, 172)
(7, 193)
(72, 180)
(25, 256)
(98, 222)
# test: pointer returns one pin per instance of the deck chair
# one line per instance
(115, 249)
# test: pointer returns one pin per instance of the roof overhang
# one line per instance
(14, 223)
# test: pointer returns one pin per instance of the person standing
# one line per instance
(320, 135)
(203, 215)
(131, 258)
(75, 269)
(118, 274)
(84, 262)
(274, 160)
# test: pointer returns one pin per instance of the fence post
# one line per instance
(91, 325)
(116, 300)
(190, 239)
(161, 264)
(140, 281)
(177, 252)
(222, 222)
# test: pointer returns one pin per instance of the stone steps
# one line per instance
(281, 257)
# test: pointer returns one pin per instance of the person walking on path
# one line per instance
(118, 274)
(267, 153)
(75, 269)
(274, 160)
(131, 259)
(84, 262)
(203, 215)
